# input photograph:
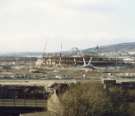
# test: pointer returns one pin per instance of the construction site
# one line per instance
(32, 85)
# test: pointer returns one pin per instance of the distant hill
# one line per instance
(122, 47)
(22, 54)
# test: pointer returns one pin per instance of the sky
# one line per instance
(42, 25)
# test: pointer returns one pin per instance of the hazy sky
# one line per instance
(27, 25)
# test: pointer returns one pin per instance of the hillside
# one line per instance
(122, 47)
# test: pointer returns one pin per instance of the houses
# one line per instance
(109, 83)
(125, 90)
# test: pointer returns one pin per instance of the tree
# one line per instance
(87, 99)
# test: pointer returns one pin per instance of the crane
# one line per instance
(85, 65)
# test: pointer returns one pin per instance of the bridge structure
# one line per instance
(16, 107)
(25, 96)
(78, 60)
(17, 99)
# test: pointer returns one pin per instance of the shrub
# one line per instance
(87, 99)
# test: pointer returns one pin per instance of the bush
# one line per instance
(90, 99)
(87, 99)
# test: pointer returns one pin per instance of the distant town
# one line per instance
(33, 82)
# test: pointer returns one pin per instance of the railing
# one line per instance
(23, 103)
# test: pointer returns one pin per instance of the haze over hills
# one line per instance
(115, 48)
(121, 47)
